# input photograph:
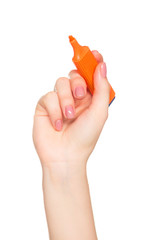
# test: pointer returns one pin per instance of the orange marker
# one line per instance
(86, 63)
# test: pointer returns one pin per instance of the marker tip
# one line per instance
(71, 38)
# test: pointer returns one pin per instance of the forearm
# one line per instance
(67, 203)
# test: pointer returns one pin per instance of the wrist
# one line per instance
(63, 173)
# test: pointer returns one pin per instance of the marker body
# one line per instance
(86, 64)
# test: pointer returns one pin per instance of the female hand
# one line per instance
(67, 123)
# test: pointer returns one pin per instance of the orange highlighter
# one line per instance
(86, 64)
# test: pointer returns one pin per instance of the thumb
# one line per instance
(100, 98)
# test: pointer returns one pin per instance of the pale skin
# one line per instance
(64, 147)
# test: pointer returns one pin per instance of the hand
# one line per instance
(67, 123)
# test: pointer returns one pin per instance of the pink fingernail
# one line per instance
(58, 124)
(103, 70)
(79, 92)
(69, 111)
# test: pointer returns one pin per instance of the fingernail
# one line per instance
(103, 70)
(69, 112)
(79, 92)
(58, 124)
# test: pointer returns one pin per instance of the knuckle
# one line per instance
(73, 73)
(106, 84)
(61, 81)
(107, 87)
(66, 99)
(106, 116)
(81, 80)
(49, 94)
(78, 81)
(56, 112)
(49, 97)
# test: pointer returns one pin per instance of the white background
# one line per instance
(124, 169)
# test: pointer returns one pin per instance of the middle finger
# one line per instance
(65, 96)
